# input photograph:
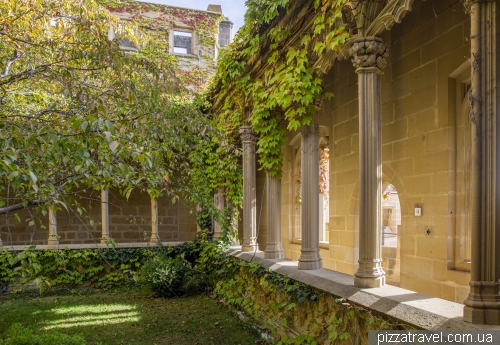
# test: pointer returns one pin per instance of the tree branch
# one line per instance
(9, 63)
(16, 207)
(30, 72)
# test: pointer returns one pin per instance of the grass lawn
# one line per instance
(128, 317)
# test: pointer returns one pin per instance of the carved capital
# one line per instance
(247, 134)
(369, 52)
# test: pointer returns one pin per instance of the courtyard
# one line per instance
(126, 317)
(333, 170)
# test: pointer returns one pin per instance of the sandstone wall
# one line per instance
(421, 136)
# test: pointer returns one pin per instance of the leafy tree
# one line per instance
(77, 112)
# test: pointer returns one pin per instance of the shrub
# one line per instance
(165, 275)
(19, 335)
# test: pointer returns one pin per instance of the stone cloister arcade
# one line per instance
(369, 51)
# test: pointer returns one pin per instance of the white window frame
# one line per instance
(194, 41)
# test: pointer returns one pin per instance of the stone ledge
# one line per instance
(95, 245)
(419, 310)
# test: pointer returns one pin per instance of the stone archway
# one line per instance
(389, 176)
(391, 234)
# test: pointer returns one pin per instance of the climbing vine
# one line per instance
(69, 268)
(291, 311)
(268, 78)
(193, 70)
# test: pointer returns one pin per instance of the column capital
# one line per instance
(247, 134)
(369, 55)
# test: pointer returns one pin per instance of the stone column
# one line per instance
(274, 249)
(309, 252)
(154, 221)
(369, 55)
(104, 215)
(219, 205)
(248, 140)
(482, 305)
(53, 239)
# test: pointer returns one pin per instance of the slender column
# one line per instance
(233, 235)
(104, 215)
(482, 305)
(53, 240)
(369, 58)
(274, 249)
(154, 221)
(219, 205)
(248, 140)
(309, 252)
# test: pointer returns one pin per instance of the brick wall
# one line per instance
(130, 221)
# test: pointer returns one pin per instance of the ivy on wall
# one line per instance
(291, 311)
(267, 77)
(101, 268)
(155, 23)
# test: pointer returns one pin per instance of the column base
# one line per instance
(369, 283)
(482, 306)
(310, 260)
(370, 274)
(154, 239)
(249, 247)
(53, 241)
(106, 240)
(274, 251)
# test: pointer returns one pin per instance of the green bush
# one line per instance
(165, 276)
(18, 335)
(103, 268)
(108, 267)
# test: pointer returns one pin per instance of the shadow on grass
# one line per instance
(128, 317)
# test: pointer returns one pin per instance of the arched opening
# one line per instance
(461, 171)
(324, 188)
(296, 192)
(391, 233)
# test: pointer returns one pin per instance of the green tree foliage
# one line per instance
(77, 112)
